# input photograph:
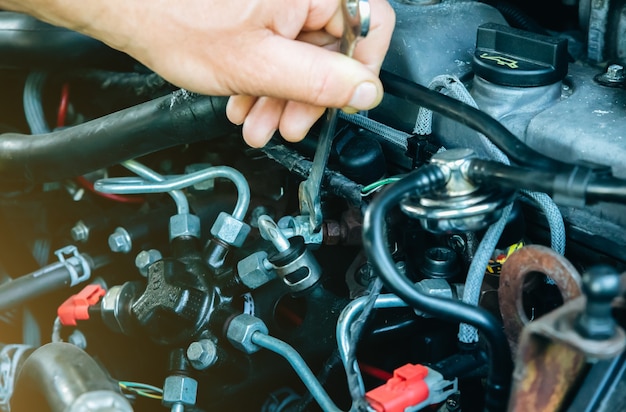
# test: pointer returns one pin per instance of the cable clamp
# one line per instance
(75, 263)
(412, 387)
(9, 360)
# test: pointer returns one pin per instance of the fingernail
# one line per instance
(365, 96)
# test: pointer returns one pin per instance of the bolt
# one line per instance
(270, 231)
(601, 284)
(120, 241)
(365, 275)
(145, 258)
(202, 354)
(80, 232)
(615, 73)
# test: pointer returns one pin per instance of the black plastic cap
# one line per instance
(512, 57)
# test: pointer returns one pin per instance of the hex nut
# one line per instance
(202, 354)
(241, 329)
(184, 224)
(230, 230)
(252, 271)
(179, 389)
(145, 258)
(120, 241)
(208, 184)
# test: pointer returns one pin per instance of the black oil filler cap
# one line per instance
(512, 57)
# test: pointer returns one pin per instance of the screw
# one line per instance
(80, 232)
(120, 241)
(202, 354)
(601, 284)
(145, 258)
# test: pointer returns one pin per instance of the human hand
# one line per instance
(276, 58)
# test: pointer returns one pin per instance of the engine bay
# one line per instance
(463, 251)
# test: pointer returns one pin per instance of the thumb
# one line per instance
(303, 72)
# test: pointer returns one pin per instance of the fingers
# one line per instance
(238, 108)
(372, 48)
(297, 119)
(310, 74)
(262, 121)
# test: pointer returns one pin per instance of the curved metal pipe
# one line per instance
(175, 119)
(130, 185)
(61, 377)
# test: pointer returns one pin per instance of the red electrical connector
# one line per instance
(412, 387)
(77, 306)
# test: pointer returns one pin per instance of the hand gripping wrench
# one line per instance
(356, 21)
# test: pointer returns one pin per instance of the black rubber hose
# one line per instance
(176, 119)
(45, 280)
(422, 181)
(517, 18)
(579, 184)
(59, 377)
(28, 43)
(471, 117)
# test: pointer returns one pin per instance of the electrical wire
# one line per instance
(374, 187)
(142, 389)
(63, 105)
(420, 182)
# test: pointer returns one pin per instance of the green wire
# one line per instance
(369, 189)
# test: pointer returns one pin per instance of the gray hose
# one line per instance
(476, 273)
(33, 109)
(130, 185)
(396, 137)
(299, 365)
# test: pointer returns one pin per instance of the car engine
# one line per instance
(461, 250)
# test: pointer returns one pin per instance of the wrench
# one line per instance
(356, 22)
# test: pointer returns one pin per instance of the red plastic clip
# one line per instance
(77, 306)
(406, 388)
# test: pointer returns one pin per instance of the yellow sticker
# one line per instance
(502, 61)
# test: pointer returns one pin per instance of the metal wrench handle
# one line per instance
(356, 21)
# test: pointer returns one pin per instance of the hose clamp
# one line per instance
(73, 262)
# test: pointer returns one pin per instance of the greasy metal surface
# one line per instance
(551, 355)
(544, 373)
(529, 259)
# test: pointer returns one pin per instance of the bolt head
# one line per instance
(120, 242)
(145, 258)
(80, 232)
(202, 354)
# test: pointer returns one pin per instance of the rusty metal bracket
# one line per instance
(551, 356)
(529, 259)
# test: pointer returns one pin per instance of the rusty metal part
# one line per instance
(345, 232)
(544, 374)
(551, 356)
(529, 259)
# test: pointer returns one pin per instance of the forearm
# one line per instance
(93, 17)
